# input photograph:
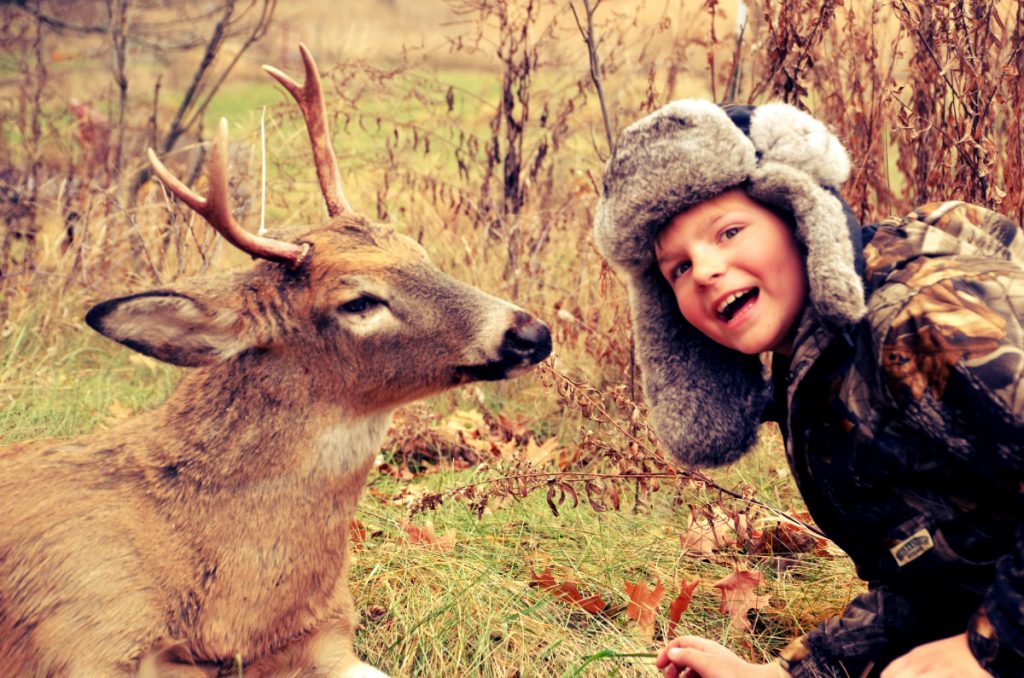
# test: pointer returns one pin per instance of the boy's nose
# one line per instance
(707, 267)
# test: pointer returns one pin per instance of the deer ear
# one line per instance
(170, 326)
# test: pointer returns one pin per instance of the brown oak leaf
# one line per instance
(786, 538)
(643, 605)
(705, 535)
(680, 605)
(567, 592)
(738, 597)
(426, 537)
(538, 455)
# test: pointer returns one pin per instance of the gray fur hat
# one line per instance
(705, 399)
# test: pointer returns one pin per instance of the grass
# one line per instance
(63, 386)
(473, 612)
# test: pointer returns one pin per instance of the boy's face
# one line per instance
(737, 272)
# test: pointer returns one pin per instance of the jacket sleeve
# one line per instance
(953, 357)
(996, 632)
(854, 643)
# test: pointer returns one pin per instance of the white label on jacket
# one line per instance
(912, 547)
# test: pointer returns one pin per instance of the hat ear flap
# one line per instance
(169, 326)
(705, 400)
(836, 288)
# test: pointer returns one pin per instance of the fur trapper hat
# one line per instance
(706, 400)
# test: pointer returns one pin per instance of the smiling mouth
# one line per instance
(732, 305)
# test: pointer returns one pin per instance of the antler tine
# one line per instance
(215, 209)
(310, 97)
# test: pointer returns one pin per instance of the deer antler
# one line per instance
(310, 97)
(215, 209)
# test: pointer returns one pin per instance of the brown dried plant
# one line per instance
(618, 463)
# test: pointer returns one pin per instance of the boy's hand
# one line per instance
(947, 657)
(694, 657)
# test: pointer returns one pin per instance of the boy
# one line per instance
(897, 376)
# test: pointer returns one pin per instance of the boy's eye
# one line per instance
(731, 232)
(680, 268)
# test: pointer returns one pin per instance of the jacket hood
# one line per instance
(706, 400)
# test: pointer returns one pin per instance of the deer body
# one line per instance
(216, 526)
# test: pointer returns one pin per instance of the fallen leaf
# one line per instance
(705, 536)
(375, 613)
(738, 597)
(513, 428)
(643, 605)
(538, 455)
(567, 592)
(567, 457)
(785, 538)
(425, 536)
(698, 541)
(464, 421)
(680, 605)
(408, 495)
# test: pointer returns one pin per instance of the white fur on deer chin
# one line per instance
(346, 447)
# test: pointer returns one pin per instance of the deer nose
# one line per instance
(528, 339)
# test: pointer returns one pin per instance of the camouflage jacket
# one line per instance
(906, 437)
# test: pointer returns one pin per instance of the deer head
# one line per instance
(356, 303)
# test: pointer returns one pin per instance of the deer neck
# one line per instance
(235, 424)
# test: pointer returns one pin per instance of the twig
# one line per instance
(583, 477)
(928, 48)
(263, 172)
(595, 66)
(670, 472)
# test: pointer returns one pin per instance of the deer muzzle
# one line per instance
(524, 344)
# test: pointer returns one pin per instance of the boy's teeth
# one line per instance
(728, 300)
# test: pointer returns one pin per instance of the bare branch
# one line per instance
(595, 66)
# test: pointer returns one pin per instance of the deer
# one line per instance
(215, 527)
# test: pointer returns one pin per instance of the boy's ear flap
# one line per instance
(169, 326)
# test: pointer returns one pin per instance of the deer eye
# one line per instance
(360, 304)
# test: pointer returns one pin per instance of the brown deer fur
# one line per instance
(216, 525)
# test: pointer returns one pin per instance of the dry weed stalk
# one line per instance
(964, 103)
(65, 161)
(619, 453)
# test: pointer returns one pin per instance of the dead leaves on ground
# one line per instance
(463, 439)
(471, 437)
(423, 537)
(643, 605)
(567, 592)
(680, 605)
(712, 530)
(427, 538)
(737, 592)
